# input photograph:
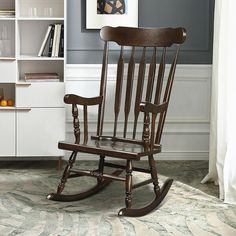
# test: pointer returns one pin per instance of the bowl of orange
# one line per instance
(5, 103)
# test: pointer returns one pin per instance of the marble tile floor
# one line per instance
(24, 210)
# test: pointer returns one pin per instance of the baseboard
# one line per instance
(32, 158)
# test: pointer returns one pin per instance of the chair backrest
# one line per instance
(147, 88)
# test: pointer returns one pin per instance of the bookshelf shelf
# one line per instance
(7, 18)
(23, 84)
(36, 58)
(23, 27)
(40, 18)
(7, 108)
(7, 58)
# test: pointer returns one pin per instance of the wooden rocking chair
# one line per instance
(152, 104)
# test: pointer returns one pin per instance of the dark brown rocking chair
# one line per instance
(153, 107)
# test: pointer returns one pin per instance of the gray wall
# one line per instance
(84, 46)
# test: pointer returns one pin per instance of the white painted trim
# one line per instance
(183, 72)
(193, 127)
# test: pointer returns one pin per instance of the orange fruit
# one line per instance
(3, 103)
(10, 103)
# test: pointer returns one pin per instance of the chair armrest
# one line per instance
(153, 108)
(75, 99)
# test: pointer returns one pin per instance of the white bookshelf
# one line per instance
(34, 125)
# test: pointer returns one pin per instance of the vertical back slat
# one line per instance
(139, 92)
(85, 124)
(129, 89)
(103, 86)
(119, 83)
(171, 77)
(160, 77)
(151, 76)
(167, 97)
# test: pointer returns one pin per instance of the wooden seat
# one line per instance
(113, 147)
(145, 95)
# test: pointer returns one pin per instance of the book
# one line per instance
(7, 12)
(54, 40)
(61, 51)
(46, 38)
(51, 41)
(6, 15)
(41, 76)
(57, 43)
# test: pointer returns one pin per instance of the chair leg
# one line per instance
(153, 169)
(101, 183)
(128, 184)
(101, 167)
(159, 192)
(66, 173)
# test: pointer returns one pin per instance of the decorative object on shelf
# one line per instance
(33, 12)
(114, 13)
(1, 94)
(48, 12)
(40, 12)
(10, 103)
(3, 103)
(54, 37)
(42, 77)
(4, 41)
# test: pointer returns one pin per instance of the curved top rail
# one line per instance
(144, 37)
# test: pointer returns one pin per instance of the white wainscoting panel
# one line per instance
(186, 132)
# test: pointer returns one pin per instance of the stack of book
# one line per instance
(7, 13)
(42, 77)
(53, 43)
